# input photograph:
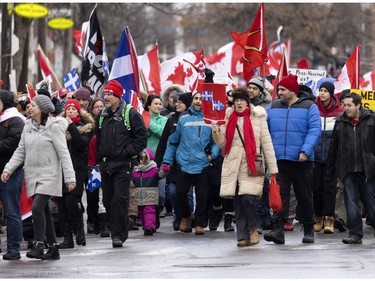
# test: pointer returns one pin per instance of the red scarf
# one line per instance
(75, 120)
(248, 138)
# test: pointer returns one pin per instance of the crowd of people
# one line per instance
(320, 149)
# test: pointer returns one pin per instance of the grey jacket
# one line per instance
(45, 155)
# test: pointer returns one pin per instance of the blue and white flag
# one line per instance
(72, 81)
(207, 96)
(95, 180)
(217, 105)
(125, 66)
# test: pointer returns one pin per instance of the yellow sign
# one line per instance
(60, 23)
(368, 98)
(33, 11)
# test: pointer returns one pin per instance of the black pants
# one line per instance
(200, 182)
(92, 206)
(116, 201)
(303, 188)
(247, 217)
(42, 221)
(324, 192)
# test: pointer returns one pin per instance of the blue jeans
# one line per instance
(357, 188)
(177, 214)
(10, 193)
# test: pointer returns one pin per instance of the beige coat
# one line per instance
(235, 166)
(45, 155)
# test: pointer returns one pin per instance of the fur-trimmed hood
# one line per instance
(87, 126)
(165, 94)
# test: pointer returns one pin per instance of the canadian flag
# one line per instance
(182, 70)
(31, 93)
(349, 75)
(149, 71)
(79, 36)
(367, 81)
(44, 64)
(275, 52)
(230, 56)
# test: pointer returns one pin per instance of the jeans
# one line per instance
(357, 187)
(10, 193)
(263, 207)
(247, 217)
(116, 201)
(177, 214)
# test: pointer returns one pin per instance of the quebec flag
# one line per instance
(72, 81)
(95, 180)
(125, 66)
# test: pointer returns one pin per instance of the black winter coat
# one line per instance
(10, 135)
(352, 148)
(118, 147)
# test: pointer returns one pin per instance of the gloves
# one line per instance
(165, 167)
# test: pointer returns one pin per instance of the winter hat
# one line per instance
(72, 102)
(290, 82)
(63, 92)
(185, 98)
(239, 93)
(115, 88)
(257, 81)
(7, 98)
(329, 86)
(44, 103)
(148, 154)
(82, 93)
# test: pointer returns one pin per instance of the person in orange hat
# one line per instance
(117, 150)
(294, 124)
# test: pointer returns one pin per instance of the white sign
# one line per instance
(12, 82)
(305, 75)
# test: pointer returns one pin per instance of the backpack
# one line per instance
(125, 115)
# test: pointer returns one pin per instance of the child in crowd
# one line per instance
(145, 178)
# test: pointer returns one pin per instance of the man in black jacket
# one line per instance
(117, 149)
(352, 157)
(11, 126)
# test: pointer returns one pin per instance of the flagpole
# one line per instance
(49, 66)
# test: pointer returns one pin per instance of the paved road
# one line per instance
(170, 254)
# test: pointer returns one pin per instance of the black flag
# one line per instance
(92, 75)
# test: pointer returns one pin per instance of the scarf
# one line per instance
(249, 139)
(75, 120)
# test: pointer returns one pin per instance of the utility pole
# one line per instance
(6, 45)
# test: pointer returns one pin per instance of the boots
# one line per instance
(277, 234)
(318, 225)
(329, 225)
(68, 242)
(52, 253)
(254, 237)
(104, 225)
(79, 231)
(308, 233)
(228, 219)
(185, 224)
(36, 251)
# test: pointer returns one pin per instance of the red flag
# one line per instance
(25, 203)
(79, 36)
(149, 71)
(275, 52)
(367, 81)
(255, 53)
(44, 64)
(213, 102)
(349, 75)
(303, 64)
(282, 72)
(31, 93)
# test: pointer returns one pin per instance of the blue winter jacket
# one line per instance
(294, 128)
(187, 144)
